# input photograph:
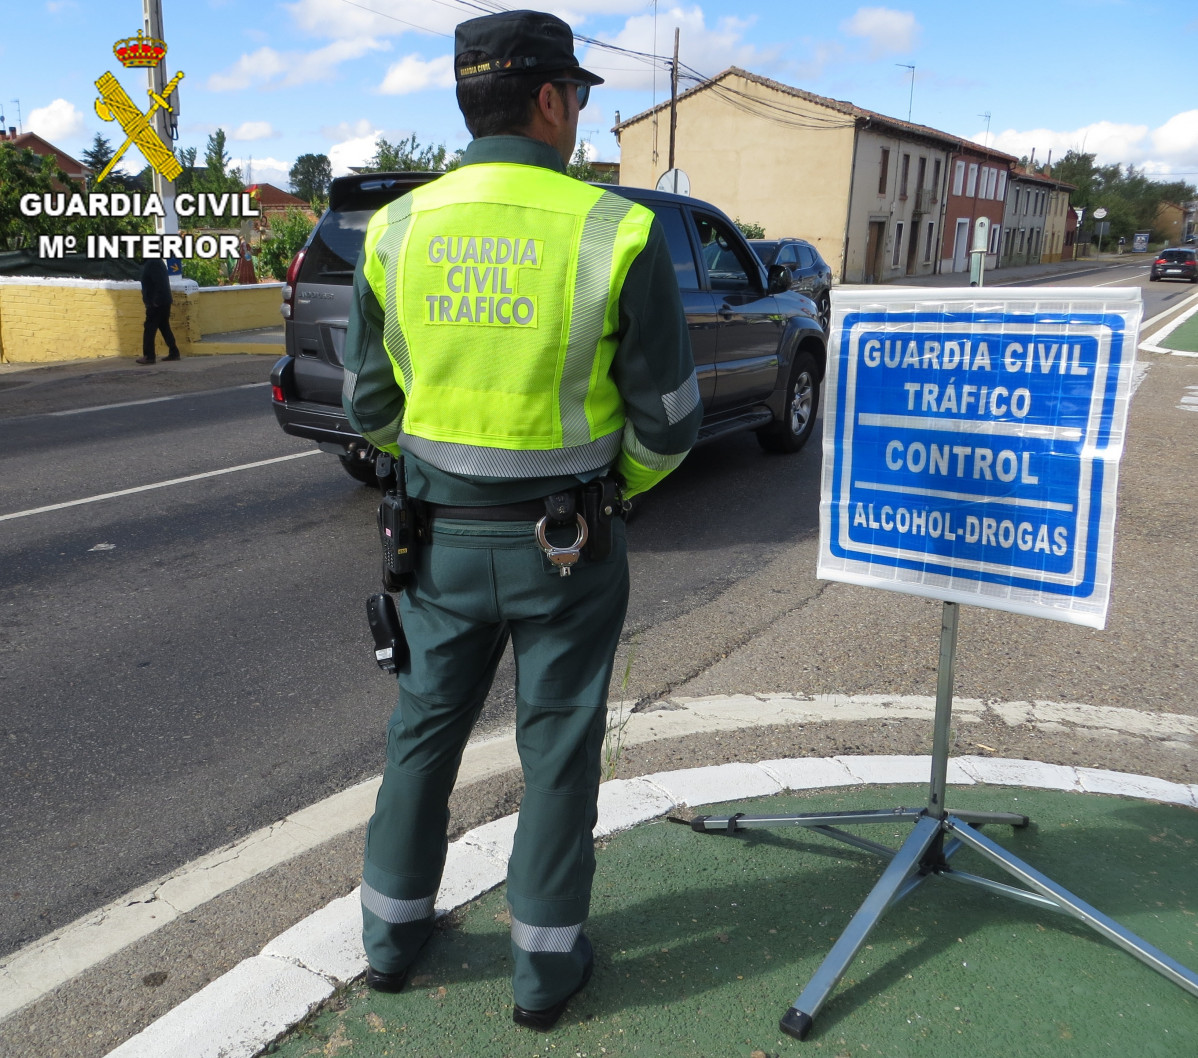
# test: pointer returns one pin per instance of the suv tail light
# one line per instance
(1160, 260)
(289, 286)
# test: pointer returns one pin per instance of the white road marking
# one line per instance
(56, 958)
(1190, 401)
(155, 400)
(156, 485)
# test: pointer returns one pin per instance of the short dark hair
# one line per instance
(495, 104)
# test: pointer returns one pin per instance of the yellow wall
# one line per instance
(239, 308)
(791, 181)
(46, 320)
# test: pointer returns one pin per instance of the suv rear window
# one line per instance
(333, 252)
(1177, 256)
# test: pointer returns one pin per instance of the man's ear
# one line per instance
(550, 104)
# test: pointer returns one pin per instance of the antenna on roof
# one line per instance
(911, 94)
(20, 124)
(987, 117)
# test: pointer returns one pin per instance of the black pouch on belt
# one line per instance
(600, 504)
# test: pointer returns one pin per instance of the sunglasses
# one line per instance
(582, 87)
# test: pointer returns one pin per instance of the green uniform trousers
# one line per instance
(477, 584)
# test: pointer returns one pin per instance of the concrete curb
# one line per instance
(36, 969)
(249, 1007)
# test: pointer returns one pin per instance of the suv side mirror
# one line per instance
(779, 279)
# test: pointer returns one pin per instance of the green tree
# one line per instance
(96, 157)
(220, 177)
(580, 165)
(21, 173)
(310, 177)
(285, 239)
(750, 229)
(407, 156)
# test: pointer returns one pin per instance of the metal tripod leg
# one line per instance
(1070, 904)
(797, 1020)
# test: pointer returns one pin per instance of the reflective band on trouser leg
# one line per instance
(544, 938)
(395, 911)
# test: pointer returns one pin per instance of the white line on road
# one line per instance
(157, 485)
(157, 400)
(34, 970)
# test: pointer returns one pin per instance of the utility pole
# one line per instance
(674, 100)
(911, 94)
(164, 121)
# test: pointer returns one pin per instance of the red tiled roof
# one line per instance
(71, 166)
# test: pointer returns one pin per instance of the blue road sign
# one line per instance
(972, 443)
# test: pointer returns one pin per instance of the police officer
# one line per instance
(518, 334)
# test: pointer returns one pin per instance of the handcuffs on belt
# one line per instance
(601, 502)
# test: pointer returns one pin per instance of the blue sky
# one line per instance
(1115, 77)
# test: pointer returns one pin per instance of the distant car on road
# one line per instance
(1175, 264)
(809, 273)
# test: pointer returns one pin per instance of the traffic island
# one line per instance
(703, 941)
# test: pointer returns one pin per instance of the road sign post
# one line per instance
(971, 450)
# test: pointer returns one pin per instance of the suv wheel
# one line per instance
(802, 402)
(359, 469)
(825, 312)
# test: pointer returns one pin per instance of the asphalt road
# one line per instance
(183, 665)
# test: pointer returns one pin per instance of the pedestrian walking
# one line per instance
(156, 296)
(519, 336)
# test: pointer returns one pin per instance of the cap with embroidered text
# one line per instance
(518, 42)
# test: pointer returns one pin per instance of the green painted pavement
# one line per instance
(704, 940)
(1184, 338)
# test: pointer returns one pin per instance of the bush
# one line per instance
(286, 238)
(750, 229)
(206, 273)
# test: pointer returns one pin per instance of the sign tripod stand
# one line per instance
(936, 837)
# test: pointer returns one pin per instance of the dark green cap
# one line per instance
(518, 42)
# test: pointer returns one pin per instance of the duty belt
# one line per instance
(590, 509)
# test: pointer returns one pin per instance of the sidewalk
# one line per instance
(704, 940)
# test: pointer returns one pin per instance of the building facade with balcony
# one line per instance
(868, 190)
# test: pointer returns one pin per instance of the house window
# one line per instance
(927, 246)
(936, 179)
(898, 242)
(995, 236)
(904, 173)
(972, 188)
(1002, 185)
(959, 178)
(883, 171)
(920, 181)
(991, 183)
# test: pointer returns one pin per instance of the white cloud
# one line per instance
(56, 121)
(888, 32)
(276, 69)
(254, 68)
(253, 130)
(1107, 141)
(356, 150)
(413, 74)
(1179, 136)
(1170, 148)
(265, 170)
(708, 50)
